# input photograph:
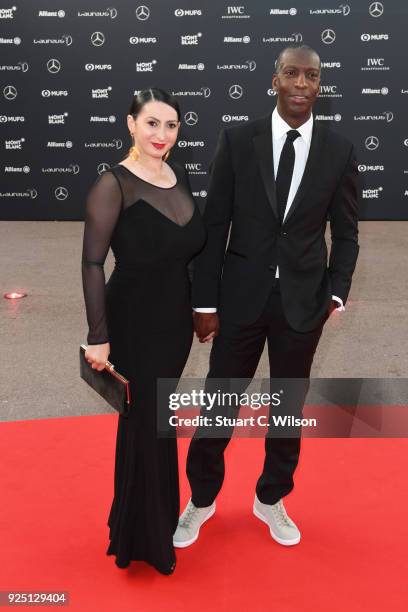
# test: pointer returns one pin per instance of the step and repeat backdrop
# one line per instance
(69, 69)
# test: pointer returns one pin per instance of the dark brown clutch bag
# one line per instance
(109, 384)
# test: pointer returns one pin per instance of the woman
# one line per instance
(142, 320)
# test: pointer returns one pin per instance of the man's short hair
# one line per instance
(278, 63)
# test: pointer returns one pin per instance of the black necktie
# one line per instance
(285, 171)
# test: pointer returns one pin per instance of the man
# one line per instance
(273, 184)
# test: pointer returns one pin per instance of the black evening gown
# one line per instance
(144, 311)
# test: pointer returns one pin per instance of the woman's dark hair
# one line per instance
(153, 94)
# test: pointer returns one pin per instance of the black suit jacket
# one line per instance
(241, 210)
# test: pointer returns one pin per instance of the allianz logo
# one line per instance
(143, 40)
(51, 144)
(291, 11)
(60, 14)
(336, 117)
(17, 169)
(237, 39)
(367, 168)
(183, 144)
(200, 194)
(13, 145)
(10, 41)
(199, 66)
(71, 169)
(370, 194)
(384, 91)
(105, 119)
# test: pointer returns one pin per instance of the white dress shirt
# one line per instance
(302, 147)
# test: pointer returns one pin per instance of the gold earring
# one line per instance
(133, 151)
(166, 155)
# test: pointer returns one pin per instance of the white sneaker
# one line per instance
(189, 524)
(282, 528)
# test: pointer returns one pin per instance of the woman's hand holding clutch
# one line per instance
(97, 355)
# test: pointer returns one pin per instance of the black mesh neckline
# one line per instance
(147, 182)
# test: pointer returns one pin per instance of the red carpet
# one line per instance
(350, 502)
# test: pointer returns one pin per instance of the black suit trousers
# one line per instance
(235, 354)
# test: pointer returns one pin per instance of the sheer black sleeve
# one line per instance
(103, 207)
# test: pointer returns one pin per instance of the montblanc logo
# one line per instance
(297, 37)
(17, 169)
(191, 118)
(375, 63)
(276, 11)
(190, 144)
(12, 119)
(204, 92)
(329, 91)
(28, 193)
(235, 92)
(142, 40)
(190, 39)
(61, 193)
(343, 9)
(54, 93)
(230, 118)
(116, 144)
(384, 91)
(60, 14)
(336, 117)
(376, 37)
(65, 144)
(7, 13)
(92, 67)
(188, 12)
(199, 66)
(328, 36)
(53, 66)
(248, 65)
(372, 143)
(105, 119)
(21, 66)
(57, 119)
(65, 39)
(386, 116)
(142, 13)
(98, 39)
(14, 145)
(10, 92)
(101, 93)
(371, 194)
(235, 12)
(146, 66)
(10, 41)
(111, 13)
(331, 65)
(195, 168)
(71, 169)
(368, 168)
(237, 39)
(376, 9)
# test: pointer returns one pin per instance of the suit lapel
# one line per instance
(313, 164)
(263, 149)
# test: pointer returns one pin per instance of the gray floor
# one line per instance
(40, 334)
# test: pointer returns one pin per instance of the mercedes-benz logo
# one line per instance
(376, 9)
(191, 118)
(61, 193)
(235, 92)
(10, 92)
(142, 13)
(328, 36)
(372, 143)
(103, 167)
(97, 39)
(53, 66)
